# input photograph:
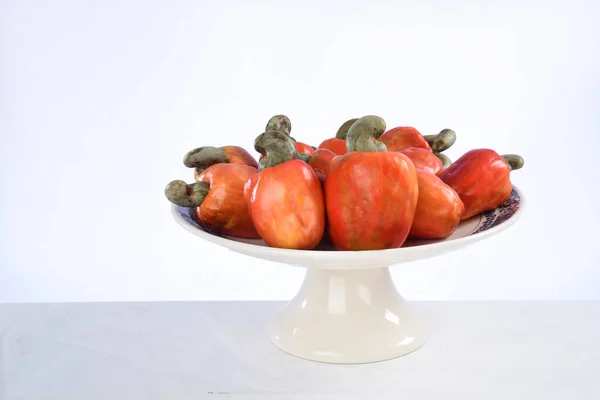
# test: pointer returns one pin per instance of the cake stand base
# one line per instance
(347, 317)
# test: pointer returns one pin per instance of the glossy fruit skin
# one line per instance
(371, 198)
(439, 209)
(287, 205)
(424, 160)
(320, 161)
(303, 148)
(224, 209)
(481, 178)
(338, 146)
(402, 137)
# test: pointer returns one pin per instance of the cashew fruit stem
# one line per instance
(363, 134)
(514, 161)
(186, 195)
(203, 157)
(276, 147)
(343, 130)
(442, 141)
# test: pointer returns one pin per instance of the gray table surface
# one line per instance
(197, 350)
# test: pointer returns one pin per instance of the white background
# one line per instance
(100, 100)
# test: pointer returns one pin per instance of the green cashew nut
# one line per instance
(446, 162)
(184, 195)
(514, 161)
(276, 147)
(304, 157)
(203, 157)
(343, 130)
(363, 134)
(442, 141)
(280, 123)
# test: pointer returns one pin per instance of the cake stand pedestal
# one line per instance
(347, 316)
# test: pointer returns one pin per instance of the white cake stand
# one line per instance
(348, 310)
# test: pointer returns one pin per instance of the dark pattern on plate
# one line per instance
(498, 215)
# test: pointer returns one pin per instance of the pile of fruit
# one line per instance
(367, 188)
